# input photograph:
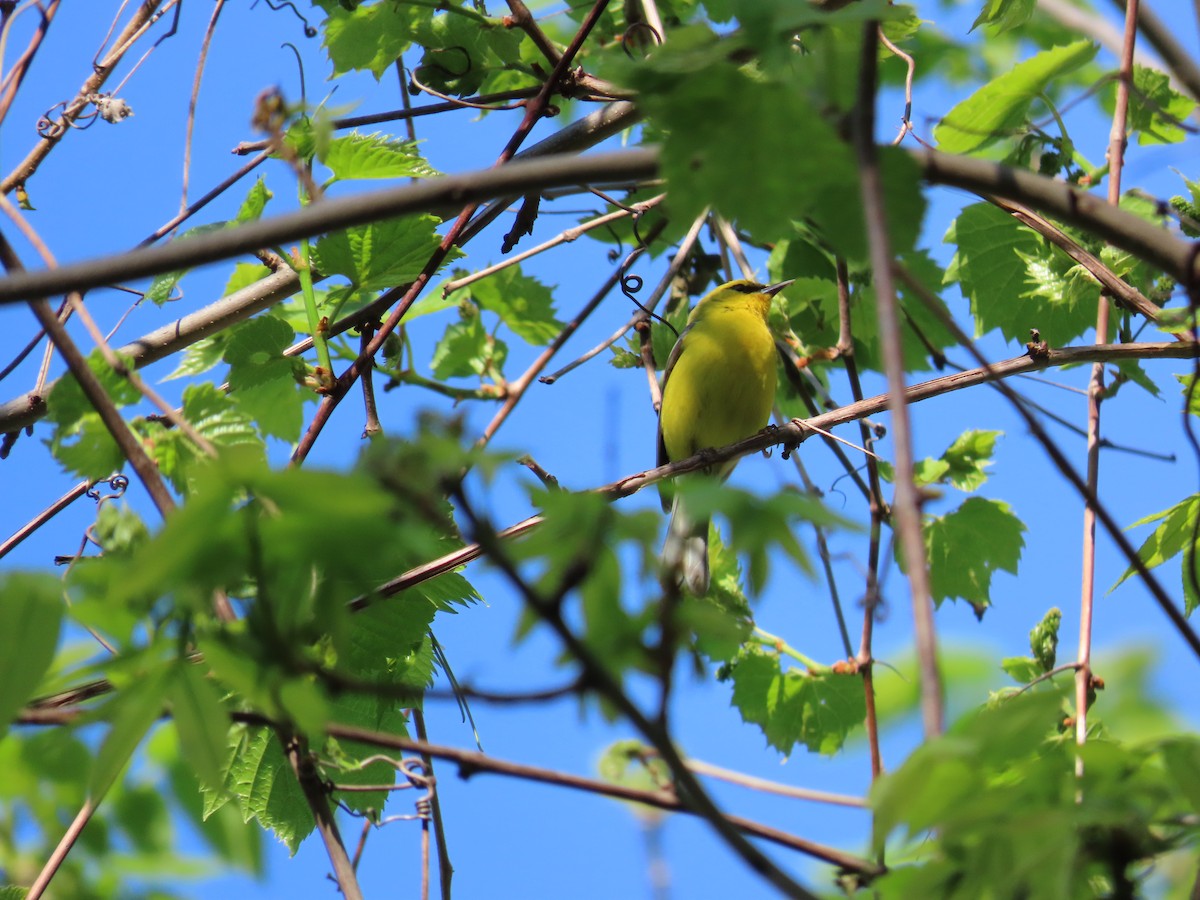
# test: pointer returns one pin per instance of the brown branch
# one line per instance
(110, 416)
(1115, 532)
(16, 74)
(143, 15)
(305, 769)
(907, 506)
(439, 196)
(796, 432)
(471, 762)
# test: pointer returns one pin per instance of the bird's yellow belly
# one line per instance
(721, 389)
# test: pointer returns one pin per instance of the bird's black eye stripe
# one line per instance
(747, 287)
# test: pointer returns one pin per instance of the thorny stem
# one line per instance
(907, 507)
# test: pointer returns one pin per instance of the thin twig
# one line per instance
(144, 13)
(445, 869)
(907, 506)
(191, 115)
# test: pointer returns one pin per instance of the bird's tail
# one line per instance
(685, 553)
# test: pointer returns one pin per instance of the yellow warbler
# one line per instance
(718, 388)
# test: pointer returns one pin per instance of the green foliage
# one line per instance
(374, 156)
(1174, 536)
(966, 546)
(382, 254)
(1016, 282)
(816, 709)
(30, 618)
(1000, 108)
(994, 808)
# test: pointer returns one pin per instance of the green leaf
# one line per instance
(1022, 669)
(200, 356)
(816, 710)
(382, 254)
(1014, 282)
(733, 167)
(261, 378)
(92, 453)
(375, 156)
(461, 52)
(252, 208)
(370, 37)
(31, 608)
(523, 303)
(967, 545)
(467, 349)
(1043, 639)
(135, 708)
(968, 457)
(1156, 111)
(67, 403)
(261, 781)
(999, 108)
(197, 712)
(1175, 535)
(1004, 15)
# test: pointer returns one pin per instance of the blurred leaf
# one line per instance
(251, 211)
(131, 712)
(261, 377)
(201, 720)
(1004, 15)
(999, 108)
(31, 608)
(467, 349)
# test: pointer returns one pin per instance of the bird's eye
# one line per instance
(747, 287)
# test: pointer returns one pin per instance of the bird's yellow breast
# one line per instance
(722, 385)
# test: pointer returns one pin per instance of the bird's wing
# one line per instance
(661, 458)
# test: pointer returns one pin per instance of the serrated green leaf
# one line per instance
(999, 108)
(1156, 110)
(363, 156)
(462, 51)
(262, 783)
(968, 458)
(382, 254)
(523, 303)
(370, 37)
(966, 546)
(1014, 282)
(31, 608)
(200, 356)
(198, 715)
(816, 710)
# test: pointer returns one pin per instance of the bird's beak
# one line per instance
(776, 288)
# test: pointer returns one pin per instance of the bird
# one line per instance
(718, 387)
